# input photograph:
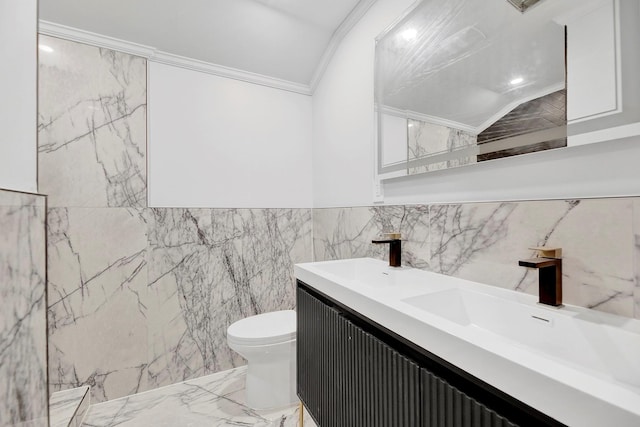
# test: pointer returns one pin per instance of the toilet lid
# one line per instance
(264, 329)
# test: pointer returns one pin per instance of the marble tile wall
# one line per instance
(23, 356)
(347, 232)
(97, 282)
(484, 241)
(141, 297)
(92, 165)
(209, 268)
(91, 126)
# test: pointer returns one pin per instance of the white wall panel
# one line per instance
(218, 142)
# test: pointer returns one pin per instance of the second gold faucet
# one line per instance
(549, 262)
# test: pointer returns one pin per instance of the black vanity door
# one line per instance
(347, 377)
(446, 406)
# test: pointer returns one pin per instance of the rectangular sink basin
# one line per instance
(586, 339)
(365, 271)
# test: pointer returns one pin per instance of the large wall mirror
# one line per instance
(459, 82)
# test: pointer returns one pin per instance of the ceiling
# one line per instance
(282, 39)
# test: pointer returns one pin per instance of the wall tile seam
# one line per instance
(635, 241)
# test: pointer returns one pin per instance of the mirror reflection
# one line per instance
(460, 81)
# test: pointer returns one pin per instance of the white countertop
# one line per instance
(572, 393)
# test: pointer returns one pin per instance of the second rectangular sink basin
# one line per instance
(580, 338)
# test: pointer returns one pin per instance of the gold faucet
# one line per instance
(549, 262)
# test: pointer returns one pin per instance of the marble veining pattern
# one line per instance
(484, 241)
(23, 388)
(459, 232)
(209, 268)
(347, 232)
(92, 126)
(97, 315)
(213, 400)
(68, 407)
(428, 139)
(141, 298)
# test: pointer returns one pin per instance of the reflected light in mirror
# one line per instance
(45, 48)
(410, 34)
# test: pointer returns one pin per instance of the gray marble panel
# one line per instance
(97, 281)
(484, 241)
(209, 268)
(340, 233)
(23, 332)
(636, 232)
(92, 126)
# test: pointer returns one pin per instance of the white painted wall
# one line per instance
(343, 116)
(18, 102)
(218, 142)
(343, 146)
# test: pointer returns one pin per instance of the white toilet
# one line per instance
(268, 342)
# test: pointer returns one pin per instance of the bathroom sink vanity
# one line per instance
(383, 346)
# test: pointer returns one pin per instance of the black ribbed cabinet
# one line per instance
(354, 373)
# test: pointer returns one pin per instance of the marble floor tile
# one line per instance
(23, 333)
(91, 126)
(67, 408)
(209, 268)
(97, 283)
(213, 400)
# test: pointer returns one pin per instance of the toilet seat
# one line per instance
(263, 329)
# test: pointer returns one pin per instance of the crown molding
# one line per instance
(338, 35)
(228, 72)
(154, 55)
(74, 34)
